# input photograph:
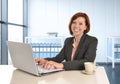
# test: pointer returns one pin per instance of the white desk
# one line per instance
(10, 75)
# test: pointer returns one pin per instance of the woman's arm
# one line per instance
(61, 55)
(54, 61)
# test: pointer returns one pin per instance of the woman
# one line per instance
(77, 49)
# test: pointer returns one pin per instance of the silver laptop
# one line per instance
(23, 58)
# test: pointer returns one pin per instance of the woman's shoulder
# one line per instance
(89, 37)
(69, 39)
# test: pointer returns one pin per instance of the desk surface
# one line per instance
(10, 75)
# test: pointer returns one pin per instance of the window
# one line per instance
(15, 15)
(13, 25)
(15, 11)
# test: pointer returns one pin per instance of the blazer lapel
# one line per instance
(80, 45)
(70, 49)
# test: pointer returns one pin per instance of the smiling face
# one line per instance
(78, 26)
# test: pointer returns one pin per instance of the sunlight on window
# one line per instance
(15, 33)
(15, 11)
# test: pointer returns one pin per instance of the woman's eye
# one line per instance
(80, 23)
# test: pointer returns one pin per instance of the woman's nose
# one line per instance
(76, 25)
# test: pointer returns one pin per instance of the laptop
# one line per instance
(23, 58)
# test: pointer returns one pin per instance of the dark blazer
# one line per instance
(86, 51)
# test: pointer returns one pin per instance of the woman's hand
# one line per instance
(41, 61)
(51, 64)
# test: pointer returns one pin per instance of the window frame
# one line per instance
(4, 28)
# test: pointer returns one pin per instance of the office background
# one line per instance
(42, 16)
(54, 16)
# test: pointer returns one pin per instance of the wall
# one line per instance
(54, 15)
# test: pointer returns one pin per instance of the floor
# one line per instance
(113, 74)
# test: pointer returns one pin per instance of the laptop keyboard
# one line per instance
(42, 70)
